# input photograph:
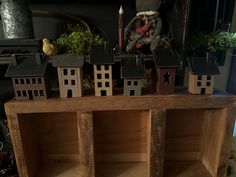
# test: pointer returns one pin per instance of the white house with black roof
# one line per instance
(201, 74)
(101, 58)
(70, 75)
(132, 71)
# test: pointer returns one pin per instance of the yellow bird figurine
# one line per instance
(48, 48)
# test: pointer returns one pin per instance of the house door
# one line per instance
(69, 93)
(30, 94)
(203, 91)
(103, 93)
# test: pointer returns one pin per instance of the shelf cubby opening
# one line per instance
(51, 146)
(193, 142)
(120, 143)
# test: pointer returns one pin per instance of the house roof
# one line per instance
(67, 61)
(100, 54)
(165, 57)
(28, 65)
(203, 65)
(132, 67)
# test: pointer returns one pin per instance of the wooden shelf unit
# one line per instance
(117, 136)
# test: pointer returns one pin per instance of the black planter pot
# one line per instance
(16, 19)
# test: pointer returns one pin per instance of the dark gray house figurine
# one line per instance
(29, 78)
(132, 71)
(201, 74)
(102, 59)
(166, 63)
(70, 75)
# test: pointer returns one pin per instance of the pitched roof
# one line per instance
(68, 61)
(100, 54)
(132, 67)
(165, 57)
(203, 65)
(28, 65)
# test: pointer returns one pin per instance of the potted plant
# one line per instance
(77, 42)
(212, 44)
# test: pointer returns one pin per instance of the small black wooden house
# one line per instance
(201, 75)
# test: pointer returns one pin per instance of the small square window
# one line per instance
(27, 81)
(33, 81)
(208, 77)
(19, 93)
(136, 83)
(16, 81)
(41, 93)
(65, 72)
(106, 76)
(72, 82)
(98, 67)
(24, 93)
(99, 76)
(65, 82)
(107, 84)
(208, 84)
(72, 72)
(199, 84)
(129, 83)
(106, 67)
(199, 78)
(36, 93)
(22, 81)
(99, 84)
(39, 81)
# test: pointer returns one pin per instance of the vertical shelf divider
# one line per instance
(156, 141)
(86, 144)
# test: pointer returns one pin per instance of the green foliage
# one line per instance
(77, 41)
(211, 42)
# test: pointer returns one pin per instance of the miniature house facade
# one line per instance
(166, 80)
(29, 77)
(166, 64)
(132, 71)
(70, 76)
(103, 80)
(201, 75)
(102, 60)
(132, 87)
(29, 88)
(70, 82)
